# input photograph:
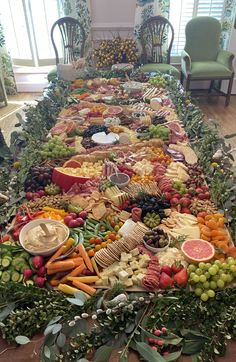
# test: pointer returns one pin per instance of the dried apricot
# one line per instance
(206, 231)
(205, 237)
(200, 220)
(212, 224)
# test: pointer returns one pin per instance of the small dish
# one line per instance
(35, 223)
(155, 250)
(105, 139)
(120, 179)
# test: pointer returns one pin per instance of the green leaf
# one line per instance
(61, 340)
(56, 328)
(148, 354)
(48, 330)
(82, 360)
(193, 346)
(81, 326)
(103, 354)
(78, 302)
(124, 358)
(173, 356)
(130, 327)
(80, 295)
(195, 358)
(46, 352)
(54, 320)
(22, 340)
(6, 311)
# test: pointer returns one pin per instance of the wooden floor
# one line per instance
(213, 109)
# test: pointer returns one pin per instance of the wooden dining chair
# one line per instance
(156, 37)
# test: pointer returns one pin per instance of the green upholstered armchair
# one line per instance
(156, 37)
(202, 58)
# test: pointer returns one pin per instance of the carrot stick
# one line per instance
(66, 246)
(85, 279)
(54, 282)
(74, 273)
(77, 261)
(63, 265)
(54, 271)
(84, 287)
(73, 255)
(85, 256)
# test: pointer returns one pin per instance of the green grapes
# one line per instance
(158, 81)
(56, 149)
(205, 278)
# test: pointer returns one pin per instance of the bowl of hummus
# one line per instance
(43, 236)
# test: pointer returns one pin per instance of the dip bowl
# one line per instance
(32, 224)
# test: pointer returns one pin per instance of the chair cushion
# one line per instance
(52, 75)
(160, 67)
(209, 70)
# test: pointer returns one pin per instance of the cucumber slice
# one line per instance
(15, 276)
(6, 276)
(7, 256)
(5, 262)
(20, 278)
(16, 261)
(24, 255)
(0, 273)
(29, 282)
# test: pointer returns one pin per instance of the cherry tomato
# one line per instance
(97, 241)
(98, 247)
(92, 240)
(112, 236)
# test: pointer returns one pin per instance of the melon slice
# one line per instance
(72, 163)
(61, 178)
(197, 250)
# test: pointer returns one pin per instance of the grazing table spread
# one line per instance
(117, 232)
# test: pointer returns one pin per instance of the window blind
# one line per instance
(181, 11)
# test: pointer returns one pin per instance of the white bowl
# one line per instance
(120, 179)
(156, 250)
(34, 223)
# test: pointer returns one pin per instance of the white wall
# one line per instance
(111, 17)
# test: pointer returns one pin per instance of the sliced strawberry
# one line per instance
(181, 278)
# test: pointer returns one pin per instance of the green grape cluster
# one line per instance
(56, 149)
(180, 187)
(158, 81)
(159, 131)
(206, 277)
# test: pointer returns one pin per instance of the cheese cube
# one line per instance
(134, 265)
(143, 263)
(113, 280)
(99, 282)
(129, 257)
(134, 279)
(135, 252)
(129, 271)
(124, 257)
(137, 271)
(123, 275)
(105, 280)
(128, 283)
(123, 265)
(140, 278)
(109, 273)
(116, 270)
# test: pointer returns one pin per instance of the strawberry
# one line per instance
(185, 202)
(166, 269)
(165, 281)
(181, 278)
(176, 267)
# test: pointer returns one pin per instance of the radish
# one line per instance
(80, 221)
(39, 281)
(68, 219)
(42, 271)
(83, 214)
(73, 223)
(38, 261)
(27, 274)
(73, 215)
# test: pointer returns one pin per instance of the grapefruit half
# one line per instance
(196, 250)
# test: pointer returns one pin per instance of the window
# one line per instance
(181, 11)
(27, 25)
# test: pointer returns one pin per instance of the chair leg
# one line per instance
(211, 86)
(187, 83)
(229, 91)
